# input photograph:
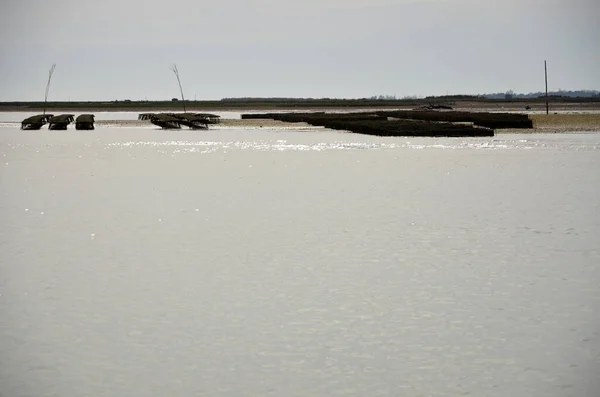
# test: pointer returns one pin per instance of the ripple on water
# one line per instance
(282, 145)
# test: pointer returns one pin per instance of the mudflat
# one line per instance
(566, 122)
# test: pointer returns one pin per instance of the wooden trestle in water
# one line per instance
(195, 121)
(60, 122)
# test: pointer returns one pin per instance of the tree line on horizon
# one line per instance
(496, 95)
(572, 95)
(559, 93)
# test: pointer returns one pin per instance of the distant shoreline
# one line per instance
(537, 104)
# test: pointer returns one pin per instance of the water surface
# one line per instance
(141, 262)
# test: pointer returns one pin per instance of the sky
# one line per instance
(123, 49)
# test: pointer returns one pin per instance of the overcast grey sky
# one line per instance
(121, 49)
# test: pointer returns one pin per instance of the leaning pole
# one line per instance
(176, 72)
(50, 73)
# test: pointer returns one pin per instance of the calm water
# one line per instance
(139, 262)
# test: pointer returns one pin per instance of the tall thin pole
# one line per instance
(48, 85)
(176, 72)
(546, 75)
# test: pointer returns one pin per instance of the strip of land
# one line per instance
(265, 104)
(560, 123)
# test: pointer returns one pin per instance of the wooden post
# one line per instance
(50, 73)
(546, 75)
(176, 72)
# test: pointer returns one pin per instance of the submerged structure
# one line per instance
(84, 122)
(195, 121)
(60, 122)
(35, 122)
(407, 123)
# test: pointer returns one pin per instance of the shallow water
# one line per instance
(141, 262)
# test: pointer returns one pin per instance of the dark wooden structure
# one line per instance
(195, 121)
(373, 123)
(162, 120)
(482, 119)
(408, 123)
(35, 122)
(84, 122)
(60, 122)
(145, 116)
